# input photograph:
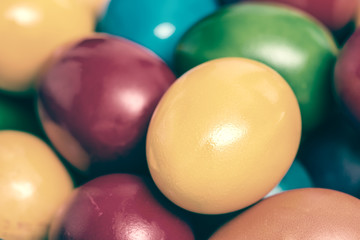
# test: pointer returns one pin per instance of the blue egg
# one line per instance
(296, 177)
(155, 24)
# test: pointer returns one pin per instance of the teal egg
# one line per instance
(156, 24)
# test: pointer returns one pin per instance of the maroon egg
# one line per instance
(309, 213)
(96, 100)
(335, 14)
(117, 207)
(347, 77)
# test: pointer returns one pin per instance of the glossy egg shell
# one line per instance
(298, 48)
(33, 185)
(30, 31)
(216, 133)
(297, 214)
(118, 206)
(96, 101)
(157, 24)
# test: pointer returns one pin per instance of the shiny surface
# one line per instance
(334, 14)
(117, 207)
(216, 133)
(18, 114)
(33, 184)
(347, 77)
(332, 158)
(157, 24)
(30, 30)
(296, 177)
(96, 101)
(298, 214)
(298, 48)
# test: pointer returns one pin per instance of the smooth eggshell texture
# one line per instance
(30, 31)
(96, 100)
(117, 207)
(334, 14)
(298, 48)
(297, 214)
(347, 77)
(156, 24)
(218, 130)
(33, 185)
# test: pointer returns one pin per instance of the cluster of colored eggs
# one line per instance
(179, 119)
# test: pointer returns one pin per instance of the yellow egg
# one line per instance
(30, 31)
(33, 185)
(223, 136)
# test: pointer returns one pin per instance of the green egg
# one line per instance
(289, 41)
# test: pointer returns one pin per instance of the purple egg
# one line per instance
(347, 77)
(117, 207)
(96, 101)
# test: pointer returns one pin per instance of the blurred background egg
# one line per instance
(30, 30)
(33, 185)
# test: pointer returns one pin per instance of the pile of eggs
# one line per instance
(179, 119)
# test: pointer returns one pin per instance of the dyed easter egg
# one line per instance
(33, 185)
(96, 100)
(218, 130)
(118, 206)
(309, 213)
(347, 77)
(30, 31)
(157, 24)
(296, 177)
(297, 47)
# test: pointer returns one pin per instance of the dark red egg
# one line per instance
(96, 100)
(117, 207)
